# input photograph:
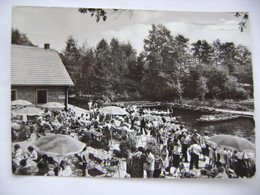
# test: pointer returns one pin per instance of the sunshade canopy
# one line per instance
(113, 110)
(29, 111)
(59, 145)
(231, 141)
(20, 103)
(53, 105)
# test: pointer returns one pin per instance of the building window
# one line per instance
(13, 94)
(42, 96)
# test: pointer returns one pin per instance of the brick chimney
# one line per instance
(46, 46)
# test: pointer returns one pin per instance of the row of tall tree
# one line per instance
(169, 68)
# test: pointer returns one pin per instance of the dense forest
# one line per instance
(169, 68)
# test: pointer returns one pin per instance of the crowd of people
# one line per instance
(170, 150)
(29, 163)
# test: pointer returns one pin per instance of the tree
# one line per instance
(244, 19)
(228, 53)
(20, 38)
(158, 54)
(88, 61)
(158, 48)
(181, 47)
(202, 88)
(98, 13)
(243, 59)
(216, 54)
(202, 51)
(101, 13)
(71, 49)
(70, 57)
(137, 70)
(101, 68)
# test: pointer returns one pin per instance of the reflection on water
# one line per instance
(243, 127)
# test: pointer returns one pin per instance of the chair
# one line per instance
(112, 167)
(97, 162)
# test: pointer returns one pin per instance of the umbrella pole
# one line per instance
(58, 165)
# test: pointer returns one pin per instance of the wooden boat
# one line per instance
(216, 118)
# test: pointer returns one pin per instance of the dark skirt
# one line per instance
(176, 160)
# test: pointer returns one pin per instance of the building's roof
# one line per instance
(34, 66)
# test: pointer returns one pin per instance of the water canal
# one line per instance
(243, 127)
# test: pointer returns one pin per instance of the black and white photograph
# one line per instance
(125, 93)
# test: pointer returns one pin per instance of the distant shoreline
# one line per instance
(243, 108)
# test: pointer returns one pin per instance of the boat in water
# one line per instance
(216, 118)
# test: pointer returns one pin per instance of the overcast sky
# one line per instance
(54, 25)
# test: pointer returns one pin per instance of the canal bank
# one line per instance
(188, 115)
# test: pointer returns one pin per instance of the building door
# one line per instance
(42, 96)
(13, 95)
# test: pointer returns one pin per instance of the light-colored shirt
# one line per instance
(196, 149)
(18, 155)
(66, 172)
(150, 162)
(176, 149)
(32, 155)
(185, 140)
(155, 124)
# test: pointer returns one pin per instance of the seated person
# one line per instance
(27, 167)
(65, 169)
(17, 156)
(32, 154)
(221, 173)
(42, 165)
(52, 166)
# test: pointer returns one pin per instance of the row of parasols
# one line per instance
(30, 111)
(64, 145)
(57, 144)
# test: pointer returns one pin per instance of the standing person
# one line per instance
(195, 137)
(158, 165)
(194, 151)
(142, 126)
(107, 132)
(204, 146)
(138, 159)
(150, 160)
(155, 127)
(176, 155)
(170, 152)
(129, 159)
(84, 155)
(141, 111)
(165, 159)
(221, 157)
(185, 141)
(212, 156)
(89, 105)
(132, 119)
